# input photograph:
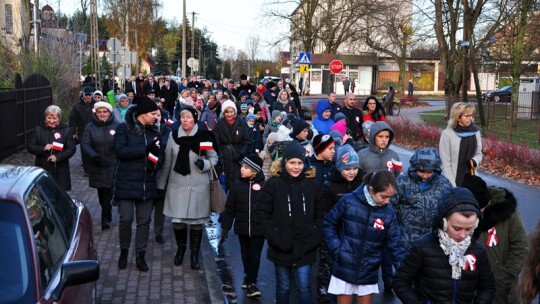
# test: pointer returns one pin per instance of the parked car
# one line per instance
(47, 253)
(503, 94)
(270, 78)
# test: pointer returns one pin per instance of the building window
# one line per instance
(9, 19)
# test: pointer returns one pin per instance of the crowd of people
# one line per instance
(328, 183)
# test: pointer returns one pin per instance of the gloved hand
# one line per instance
(99, 161)
(200, 164)
(237, 156)
(224, 235)
(471, 164)
(154, 147)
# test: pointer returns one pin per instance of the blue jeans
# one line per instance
(283, 283)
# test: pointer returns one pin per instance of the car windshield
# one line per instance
(17, 284)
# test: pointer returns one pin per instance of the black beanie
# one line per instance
(321, 142)
(479, 189)
(293, 150)
(145, 105)
(298, 125)
(192, 110)
(254, 162)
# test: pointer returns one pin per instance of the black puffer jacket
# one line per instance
(135, 176)
(80, 116)
(290, 210)
(425, 275)
(98, 140)
(43, 136)
(336, 186)
(240, 207)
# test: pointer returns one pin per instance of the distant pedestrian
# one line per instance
(346, 85)
(301, 86)
(137, 146)
(446, 265)
(240, 209)
(389, 101)
(460, 145)
(410, 88)
(353, 85)
(290, 210)
(53, 145)
(356, 231)
(80, 116)
(98, 143)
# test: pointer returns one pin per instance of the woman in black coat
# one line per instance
(232, 140)
(53, 146)
(98, 143)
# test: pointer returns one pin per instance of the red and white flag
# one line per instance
(152, 158)
(379, 224)
(57, 146)
(169, 122)
(205, 145)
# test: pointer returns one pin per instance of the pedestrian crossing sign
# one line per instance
(304, 68)
(304, 58)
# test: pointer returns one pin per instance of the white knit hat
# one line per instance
(98, 92)
(229, 104)
(102, 104)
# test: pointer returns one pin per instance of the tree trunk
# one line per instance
(478, 92)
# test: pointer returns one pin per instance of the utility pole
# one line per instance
(94, 42)
(184, 24)
(464, 47)
(192, 38)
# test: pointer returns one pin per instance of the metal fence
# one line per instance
(499, 113)
(21, 110)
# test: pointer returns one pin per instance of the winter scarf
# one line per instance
(455, 252)
(467, 149)
(186, 144)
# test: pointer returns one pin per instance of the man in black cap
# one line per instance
(80, 116)
(244, 86)
(138, 148)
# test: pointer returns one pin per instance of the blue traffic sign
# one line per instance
(304, 58)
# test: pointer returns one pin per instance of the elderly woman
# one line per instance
(185, 175)
(98, 144)
(232, 141)
(460, 145)
(53, 146)
(121, 108)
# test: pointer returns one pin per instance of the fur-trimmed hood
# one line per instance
(133, 125)
(276, 170)
(503, 205)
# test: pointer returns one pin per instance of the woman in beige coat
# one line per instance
(185, 175)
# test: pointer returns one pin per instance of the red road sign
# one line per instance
(336, 66)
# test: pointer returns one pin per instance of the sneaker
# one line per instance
(245, 283)
(253, 291)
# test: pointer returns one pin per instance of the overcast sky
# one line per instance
(229, 22)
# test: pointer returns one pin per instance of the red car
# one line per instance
(47, 249)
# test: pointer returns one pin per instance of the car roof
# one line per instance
(14, 180)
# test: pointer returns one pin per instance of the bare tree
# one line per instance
(252, 50)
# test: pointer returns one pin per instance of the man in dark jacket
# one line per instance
(151, 85)
(138, 146)
(245, 86)
(271, 94)
(80, 116)
(446, 265)
(168, 92)
(353, 116)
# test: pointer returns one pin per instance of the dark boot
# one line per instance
(141, 262)
(195, 237)
(122, 261)
(181, 240)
